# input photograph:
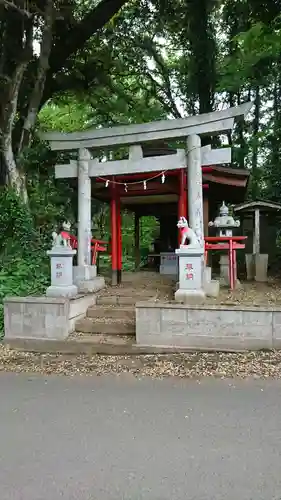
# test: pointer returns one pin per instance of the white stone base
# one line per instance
(190, 296)
(62, 291)
(191, 262)
(212, 288)
(92, 285)
(83, 273)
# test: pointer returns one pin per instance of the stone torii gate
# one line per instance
(194, 157)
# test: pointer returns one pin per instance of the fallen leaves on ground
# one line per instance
(263, 364)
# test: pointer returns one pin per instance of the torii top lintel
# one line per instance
(213, 123)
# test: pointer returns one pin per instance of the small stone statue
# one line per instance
(225, 223)
(63, 237)
(187, 234)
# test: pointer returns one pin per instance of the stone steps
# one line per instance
(113, 316)
(113, 312)
(123, 300)
(106, 326)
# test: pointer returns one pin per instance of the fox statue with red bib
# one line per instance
(188, 236)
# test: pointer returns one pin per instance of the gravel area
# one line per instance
(194, 365)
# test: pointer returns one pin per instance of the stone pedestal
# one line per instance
(168, 264)
(261, 265)
(211, 287)
(224, 272)
(191, 271)
(84, 273)
(256, 265)
(61, 273)
(86, 279)
(250, 266)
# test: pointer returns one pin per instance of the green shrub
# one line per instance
(24, 265)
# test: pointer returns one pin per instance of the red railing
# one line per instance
(96, 246)
(230, 243)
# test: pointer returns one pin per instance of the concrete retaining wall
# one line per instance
(208, 327)
(43, 317)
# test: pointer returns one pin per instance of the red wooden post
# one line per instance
(114, 236)
(182, 201)
(231, 277)
(119, 239)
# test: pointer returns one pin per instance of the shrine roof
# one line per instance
(229, 176)
(263, 205)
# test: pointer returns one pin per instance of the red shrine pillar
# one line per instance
(114, 234)
(182, 201)
(119, 238)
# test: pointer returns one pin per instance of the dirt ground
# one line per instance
(150, 283)
(255, 294)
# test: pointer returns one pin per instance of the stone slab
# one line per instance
(184, 296)
(78, 346)
(92, 285)
(169, 264)
(207, 327)
(261, 266)
(43, 317)
(107, 327)
(212, 288)
(82, 273)
(125, 312)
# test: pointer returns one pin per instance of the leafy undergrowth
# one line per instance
(24, 276)
(24, 265)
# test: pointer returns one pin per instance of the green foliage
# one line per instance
(24, 267)
(257, 49)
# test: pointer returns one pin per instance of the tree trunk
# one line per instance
(10, 171)
(203, 52)
(43, 66)
(256, 125)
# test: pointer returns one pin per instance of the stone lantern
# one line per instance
(224, 225)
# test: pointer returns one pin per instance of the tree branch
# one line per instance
(74, 38)
(150, 48)
(81, 31)
(11, 5)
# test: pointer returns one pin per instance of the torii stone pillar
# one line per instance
(194, 186)
(84, 213)
(85, 274)
(191, 258)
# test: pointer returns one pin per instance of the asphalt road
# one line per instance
(120, 438)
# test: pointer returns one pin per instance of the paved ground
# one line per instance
(114, 438)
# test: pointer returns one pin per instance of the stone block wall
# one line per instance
(43, 317)
(202, 327)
